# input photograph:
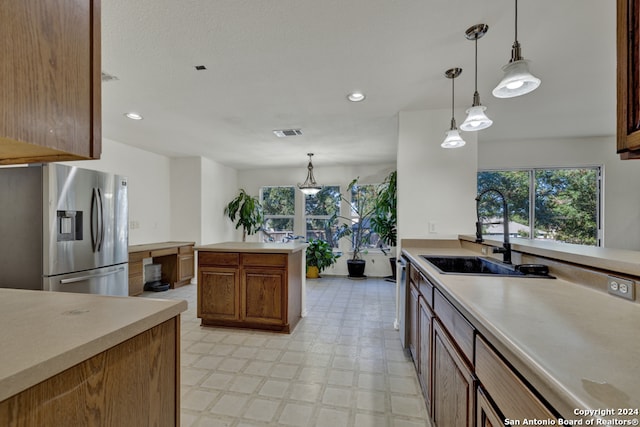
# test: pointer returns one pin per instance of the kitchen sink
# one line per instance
(480, 266)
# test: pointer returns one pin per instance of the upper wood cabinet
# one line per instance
(628, 80)
(50, 79)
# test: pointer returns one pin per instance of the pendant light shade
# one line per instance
(517, 79)
(453, 139)
(310, 187)
(476, 118)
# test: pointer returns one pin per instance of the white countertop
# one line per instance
(44, 333)
(283, 248)
(579, 347)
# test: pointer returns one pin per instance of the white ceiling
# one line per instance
(280, 64)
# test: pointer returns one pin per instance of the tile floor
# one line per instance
(341, 366)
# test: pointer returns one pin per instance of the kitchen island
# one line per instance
(78, 359)
(251, 285)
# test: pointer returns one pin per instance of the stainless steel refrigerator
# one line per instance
(63, 228)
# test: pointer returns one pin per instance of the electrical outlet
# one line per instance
(624, 288)
(433, 227)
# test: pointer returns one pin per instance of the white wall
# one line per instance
(252, 180)
(149, 183)
(218, 186)
(186, 201)
(621, 195)
(436, 186)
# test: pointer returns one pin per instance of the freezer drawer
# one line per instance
(112, 280)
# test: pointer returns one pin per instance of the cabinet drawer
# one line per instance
(414, 274)
(218, 258)
(426, 289)
(510, 394)
(184, 250)
(139, 256)
(459, 328)
(264, 260)
(163, 252)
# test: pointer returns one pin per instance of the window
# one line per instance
(279, 212)
(560, 204)
(363, 197)
(320, 210)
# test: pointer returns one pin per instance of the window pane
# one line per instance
(515, 187)
(278, 200)
(567, 205)
(363, 198)
(324, 229)
(325, 202)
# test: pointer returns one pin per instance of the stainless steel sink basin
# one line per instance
(475, 266)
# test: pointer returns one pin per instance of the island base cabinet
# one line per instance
(453, 383)
(250, 290)
(135, 383)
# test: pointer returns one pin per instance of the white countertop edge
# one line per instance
(28, 376)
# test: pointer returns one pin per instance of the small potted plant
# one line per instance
(319, 256)
(246, 212)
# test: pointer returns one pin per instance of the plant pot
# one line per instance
(312, 272)
(356, 268)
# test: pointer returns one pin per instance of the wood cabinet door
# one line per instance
(264, 292)
(50, 81)
(487, 415)
(185, 267)
(412, 315)
(218, 293)
(628, 81)
(453, 383)
(424, 354)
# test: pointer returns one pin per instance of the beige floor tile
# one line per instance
(342, 365)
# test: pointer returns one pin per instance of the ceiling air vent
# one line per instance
(106, 77)
(283, 133)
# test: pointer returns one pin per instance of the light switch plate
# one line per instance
(624, 288)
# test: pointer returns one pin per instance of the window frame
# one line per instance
(533, 191)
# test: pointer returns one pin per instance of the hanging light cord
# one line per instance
(516, 20)
(476, 64)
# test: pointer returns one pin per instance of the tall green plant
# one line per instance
(355, 227)
(246, 211)
(384, 220)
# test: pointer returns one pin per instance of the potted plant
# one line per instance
(319, 256)
(357, 227)
(247, 213)
(384, 220)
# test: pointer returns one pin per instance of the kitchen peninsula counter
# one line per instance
(76, 339)
(575, 344)
(251, 285)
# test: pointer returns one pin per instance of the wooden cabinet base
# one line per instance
(250, 290)
(135, 383)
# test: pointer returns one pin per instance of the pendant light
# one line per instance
(453, 139)
(310, 187)
(517, 79)
(476, 118)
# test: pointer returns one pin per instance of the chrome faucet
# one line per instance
(505, 250)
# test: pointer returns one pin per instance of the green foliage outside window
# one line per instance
(566, 202)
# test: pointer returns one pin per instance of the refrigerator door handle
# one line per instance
(91, 276)
(101, 220)
(94, 220)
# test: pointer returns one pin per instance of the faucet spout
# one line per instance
(506, 246)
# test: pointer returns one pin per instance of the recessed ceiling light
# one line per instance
(356, 96)
(134, 116)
